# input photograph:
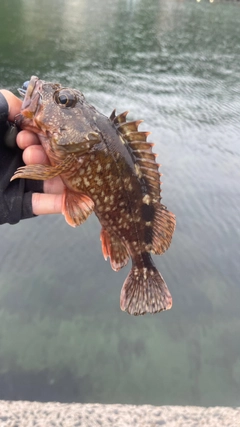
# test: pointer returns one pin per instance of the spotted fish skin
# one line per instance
(108, 167)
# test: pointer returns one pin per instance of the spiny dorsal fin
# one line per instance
(141, 152)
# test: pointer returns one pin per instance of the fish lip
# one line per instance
(31, 103)
(32, 90)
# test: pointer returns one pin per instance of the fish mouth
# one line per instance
(31, 102)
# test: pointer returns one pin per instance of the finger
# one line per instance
(26, 139)
(14, 104)
(35, 154)
(43, 204)
(53, 186)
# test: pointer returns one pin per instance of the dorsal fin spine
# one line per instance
(121, 118)
(113, 115)
(128, 127)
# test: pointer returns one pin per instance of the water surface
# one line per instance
(175, 65)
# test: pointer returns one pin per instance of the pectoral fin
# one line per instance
(43, 172)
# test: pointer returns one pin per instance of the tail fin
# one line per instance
(145, 291)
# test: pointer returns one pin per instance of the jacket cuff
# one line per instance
(3, 109)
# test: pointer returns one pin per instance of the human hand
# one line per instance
(42, 203)
(50, 201)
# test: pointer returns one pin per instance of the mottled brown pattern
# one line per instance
(108, 167)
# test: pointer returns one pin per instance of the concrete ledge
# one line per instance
(26, 414)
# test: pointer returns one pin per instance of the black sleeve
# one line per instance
(15, 196)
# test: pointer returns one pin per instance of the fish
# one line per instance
(109, 168)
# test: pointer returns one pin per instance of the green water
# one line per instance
(174, 64)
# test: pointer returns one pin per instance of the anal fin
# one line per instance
(113, 248)
(76, 207)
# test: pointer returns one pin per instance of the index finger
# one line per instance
(26, 138)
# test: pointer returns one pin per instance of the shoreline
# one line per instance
(25, 414)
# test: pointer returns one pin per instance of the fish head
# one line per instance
(57, 114)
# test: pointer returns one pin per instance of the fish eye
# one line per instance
(65, 98)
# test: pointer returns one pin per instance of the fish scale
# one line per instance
(108, 168)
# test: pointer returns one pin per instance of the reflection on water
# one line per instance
(176, 65)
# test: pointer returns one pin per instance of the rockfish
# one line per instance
(108, 168)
